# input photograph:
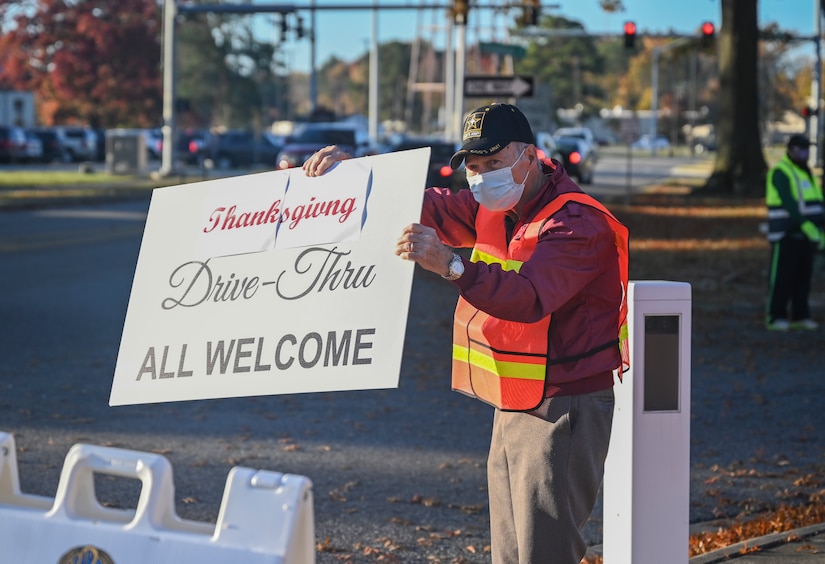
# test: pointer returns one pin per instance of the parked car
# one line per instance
(12, 144)
(649, 142)
(548, 147)
(235, 148)
(704, 144)
(154, 143)
(34, 147)
(313, 136)
(578, 158)
(52, 147)
(79, 143)
(191, 146)
(440, 173)
(581, 132)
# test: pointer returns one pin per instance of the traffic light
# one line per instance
(629, 35)
(532, 12)
(299, 28)
(806, 112)
(284, 27)
(708, 34)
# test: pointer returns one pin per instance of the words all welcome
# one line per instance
(241, 356)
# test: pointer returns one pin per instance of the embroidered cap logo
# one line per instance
(473, 125)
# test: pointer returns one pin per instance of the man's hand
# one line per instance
(323, 159)
(420, 243)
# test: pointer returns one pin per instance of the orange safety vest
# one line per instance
(504, 363)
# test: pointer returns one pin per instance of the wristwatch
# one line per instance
(455, 268)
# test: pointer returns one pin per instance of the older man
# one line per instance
(538, 330)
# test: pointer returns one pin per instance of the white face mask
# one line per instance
(497, 190)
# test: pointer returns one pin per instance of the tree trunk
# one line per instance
(740, 165)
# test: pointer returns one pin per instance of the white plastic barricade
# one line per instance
(647, 472)
(265, 517)
(10, 494)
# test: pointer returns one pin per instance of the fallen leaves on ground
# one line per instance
(785, 518)
(716, 245)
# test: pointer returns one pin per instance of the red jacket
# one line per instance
(573, 274)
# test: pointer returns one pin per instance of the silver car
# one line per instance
(79, 143)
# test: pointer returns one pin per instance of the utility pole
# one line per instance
(373, 77)
(450, 131)
(817, 119)
(313, 72)
(460, 10)
(170, 14)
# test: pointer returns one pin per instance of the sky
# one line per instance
(347, 34)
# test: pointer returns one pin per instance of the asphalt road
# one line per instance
(398, 474)
(397, 470)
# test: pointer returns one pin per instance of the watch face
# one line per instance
(456, 267)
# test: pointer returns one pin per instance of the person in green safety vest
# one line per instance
(796, 218)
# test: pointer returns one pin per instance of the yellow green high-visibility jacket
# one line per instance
(793, 196)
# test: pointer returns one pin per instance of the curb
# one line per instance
(744, 548)
(760, 544)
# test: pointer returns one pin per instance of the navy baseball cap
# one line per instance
(488, 129)
(798, 140)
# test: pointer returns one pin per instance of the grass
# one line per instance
(37, 178)
(29, 185)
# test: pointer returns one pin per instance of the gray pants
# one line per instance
(543, 473)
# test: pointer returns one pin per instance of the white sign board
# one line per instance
(272, 283)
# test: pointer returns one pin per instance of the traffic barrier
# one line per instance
(10, 493)
(265, 517)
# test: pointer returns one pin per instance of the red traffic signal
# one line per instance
(629, 35)
(708, 29)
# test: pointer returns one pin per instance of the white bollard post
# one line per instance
(647, 472)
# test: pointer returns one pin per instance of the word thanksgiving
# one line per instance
(223, 218)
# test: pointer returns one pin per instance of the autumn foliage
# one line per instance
(88, 61)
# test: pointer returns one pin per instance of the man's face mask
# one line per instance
(497, 190)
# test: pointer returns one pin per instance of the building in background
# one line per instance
(17, 108)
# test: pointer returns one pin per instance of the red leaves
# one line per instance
(87, 61)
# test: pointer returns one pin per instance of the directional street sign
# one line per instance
(483, 86)
(516, 51)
